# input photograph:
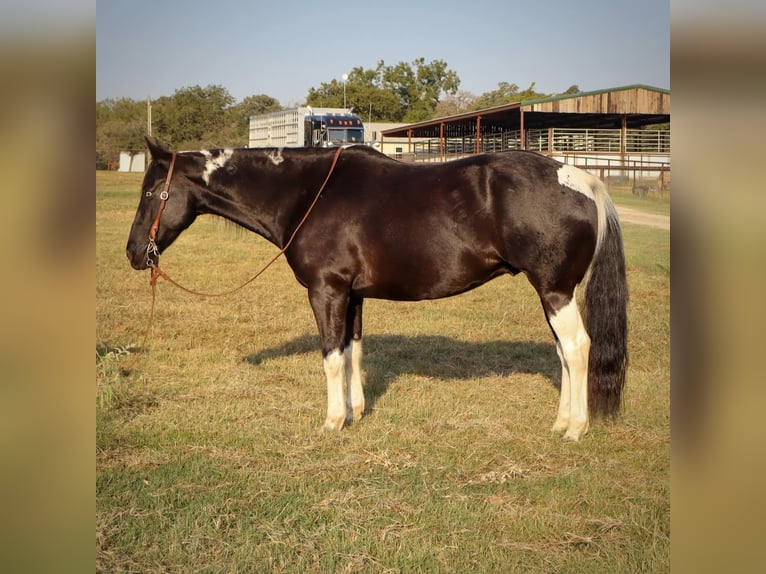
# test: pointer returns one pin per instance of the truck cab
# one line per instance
(330, 130)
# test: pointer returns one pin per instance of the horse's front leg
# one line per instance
(353, 355)
(330, 310)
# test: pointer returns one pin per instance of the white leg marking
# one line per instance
(215, 162)
(355, 395)
(335, 371)
(562, 419)
(575, 346)
(275, 156)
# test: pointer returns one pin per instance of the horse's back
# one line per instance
(407, 231)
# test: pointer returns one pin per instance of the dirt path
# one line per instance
(629, 215)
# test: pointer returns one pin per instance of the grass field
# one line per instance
(623, 196)
(209, 454)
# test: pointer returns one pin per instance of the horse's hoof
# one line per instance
(333, 425)
(575, 434)
(560, 426)
(353, 417)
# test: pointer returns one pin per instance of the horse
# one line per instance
(381, 228)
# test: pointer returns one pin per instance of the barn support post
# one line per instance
(522, 132)
(441, 141)
(478, 134)
(623, 143)
(550, 141)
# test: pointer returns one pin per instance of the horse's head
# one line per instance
(178, 212)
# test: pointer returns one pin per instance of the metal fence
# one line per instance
(551, 140)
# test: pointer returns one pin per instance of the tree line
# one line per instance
(199, 117)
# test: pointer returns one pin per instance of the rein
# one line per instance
(151, 248)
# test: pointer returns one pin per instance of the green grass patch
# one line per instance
(210, 458)
(657, 202)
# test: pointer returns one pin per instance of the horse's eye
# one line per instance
(148, 194)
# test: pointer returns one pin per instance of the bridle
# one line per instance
(151, 248)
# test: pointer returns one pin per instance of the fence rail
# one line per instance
(644, 154)
(551, 140)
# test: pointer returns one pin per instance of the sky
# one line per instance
(282, 48)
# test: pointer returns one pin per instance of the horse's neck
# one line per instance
(269, 210)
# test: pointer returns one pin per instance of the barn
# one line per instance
(617, 131)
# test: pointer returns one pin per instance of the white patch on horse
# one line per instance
(275, 156)
(576, 179)
(215, 162)
(355, 391)
(335, 370)
(573, 346)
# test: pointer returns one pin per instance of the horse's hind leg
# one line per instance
(353, 355)
(573, 346)
(562, 419)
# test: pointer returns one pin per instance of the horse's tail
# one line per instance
(606, 319)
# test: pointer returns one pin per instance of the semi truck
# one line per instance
(306, 127)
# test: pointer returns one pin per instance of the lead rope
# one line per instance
(157, 272)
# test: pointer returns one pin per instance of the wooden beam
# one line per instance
(478, 134)
(441, 141)
(623, 136)
(522, 134)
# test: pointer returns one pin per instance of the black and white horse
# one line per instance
(389, 230)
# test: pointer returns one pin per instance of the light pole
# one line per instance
(148, 116)
(345, 79)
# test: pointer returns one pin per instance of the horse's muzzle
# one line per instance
(139, 260)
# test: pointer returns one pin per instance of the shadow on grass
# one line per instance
(387, 357)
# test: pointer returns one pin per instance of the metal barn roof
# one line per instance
(628, 107)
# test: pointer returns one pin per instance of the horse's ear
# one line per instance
(157, 151)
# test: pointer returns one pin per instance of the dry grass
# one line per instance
(210, 459)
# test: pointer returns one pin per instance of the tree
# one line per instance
(234, 130)
(121, 123)
(453, 104)
(120, 126)
(420, 89)
(506, 94)
(531, 94)
(390, 93)
(260, 104)
(193, 117)
(364, 93)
